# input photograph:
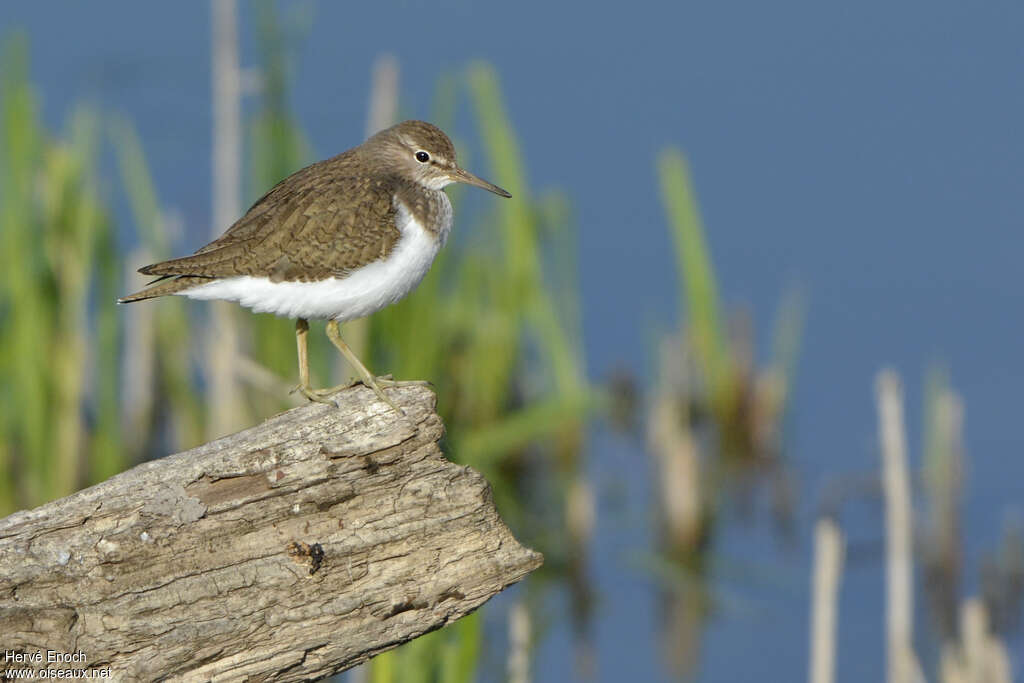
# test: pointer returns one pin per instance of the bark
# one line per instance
(289, 551)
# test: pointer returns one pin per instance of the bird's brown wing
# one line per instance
(312, 225)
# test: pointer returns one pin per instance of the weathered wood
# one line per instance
(207, 565)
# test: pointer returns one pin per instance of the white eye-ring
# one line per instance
(422, 157)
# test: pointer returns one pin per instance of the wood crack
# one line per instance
(232, 560)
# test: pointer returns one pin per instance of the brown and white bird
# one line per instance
(338, 240)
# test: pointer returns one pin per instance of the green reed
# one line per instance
(55, 234)
(171, 397)
(714, 421)
(502, 349)
(746, 403)
(693, 264)
(714, 418)
(494, 326)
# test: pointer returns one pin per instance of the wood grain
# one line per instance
(289, 551)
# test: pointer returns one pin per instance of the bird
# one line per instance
(337, 240)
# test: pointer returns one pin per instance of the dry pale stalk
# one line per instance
(902, 666)
(828, 570)
(222, 346)
(980, 656)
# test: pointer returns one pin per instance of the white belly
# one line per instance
(362, 292)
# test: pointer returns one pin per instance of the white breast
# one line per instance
(361, 292)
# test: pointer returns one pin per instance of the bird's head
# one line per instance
(422, 153)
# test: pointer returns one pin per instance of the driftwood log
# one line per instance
(290, 551)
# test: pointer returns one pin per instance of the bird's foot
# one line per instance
(318, 395)
(376, 384)
(389, 381)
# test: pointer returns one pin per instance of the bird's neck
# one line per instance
(430, 208)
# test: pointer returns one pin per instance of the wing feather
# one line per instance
(305, 228)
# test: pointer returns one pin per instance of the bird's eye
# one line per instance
(422, 157)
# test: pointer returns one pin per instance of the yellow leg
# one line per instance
(301, 333)
(304, 388)
(334, 334)
(365, 377)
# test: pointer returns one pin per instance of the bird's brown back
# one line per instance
(322, 221)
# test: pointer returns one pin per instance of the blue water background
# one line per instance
(871, 153)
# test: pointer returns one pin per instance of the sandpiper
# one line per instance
(338, 240)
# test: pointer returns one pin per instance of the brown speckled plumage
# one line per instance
(322, 221)
(338, 240)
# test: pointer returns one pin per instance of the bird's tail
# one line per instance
(163, 287)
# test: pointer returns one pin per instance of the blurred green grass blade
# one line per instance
(28, 305)
(558, 230)
(525, 279)
(941, 462)
(445, 656)
(108, 456)
(53, 228)
(788, 332)
(516, 430)
(461, 651)
(936, 384)
(518, 230)
(72, 216)
(693, 262)
(416, 661)
(382, 667)
(565, 367)
(21, 134)
(139, 188)
(105, 457)
(508, 286)
(498, 138)
(171, 323)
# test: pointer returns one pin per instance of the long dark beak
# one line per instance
(461, 176)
